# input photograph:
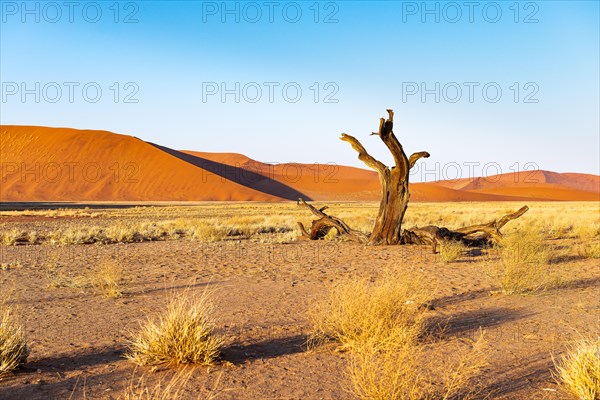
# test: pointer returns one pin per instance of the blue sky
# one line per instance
(162, 67)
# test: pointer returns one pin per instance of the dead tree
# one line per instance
(394, 201)
(394, 182)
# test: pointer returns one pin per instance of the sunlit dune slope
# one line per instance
(59, 164)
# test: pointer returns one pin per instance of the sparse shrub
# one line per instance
(107, 279)
(579, 370)
(13, 348)
(523, 263)
(184, 334)
(381, 314)
(451, 250)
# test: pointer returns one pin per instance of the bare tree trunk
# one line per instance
(394, 182)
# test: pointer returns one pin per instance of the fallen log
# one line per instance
(473, 235)
(321, 226)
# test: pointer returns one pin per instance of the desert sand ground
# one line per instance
(263, 282)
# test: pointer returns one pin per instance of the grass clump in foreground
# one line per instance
(403, 373)
(381, 314)
(171, 390)
(13, 347)
(579, 370)
(524, 258)
(184, 334)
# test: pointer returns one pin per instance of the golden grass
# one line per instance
(13, 236)
(13, 347)
(121, 232)
(402, 373)
(171, 390)
(589, 249)
(451, 250)
(381, 314)
(579, 370)
(524, 257)
(183, 334)
(388, 375)
(587, 231)
(106, 279)
(199, 230)
(331, 234)
(270, 222)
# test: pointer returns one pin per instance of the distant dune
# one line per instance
(537, 184)
(61, 164)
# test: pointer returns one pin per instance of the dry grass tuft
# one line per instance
(205, 232)
(587, 230)
(523, 263)
(451, 250)
(387, 375)
(579, 370)
(172, 389)
(13, 237)
(184, 334)
(13, 348)
(381, 314)
(106, 279)
(331, 234)
(589, 249)
(402, 374)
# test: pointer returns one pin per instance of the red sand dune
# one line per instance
(537, 184)
(60, 164)
(56, 164)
